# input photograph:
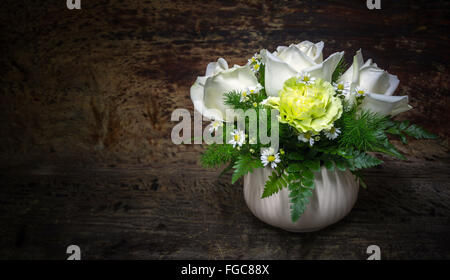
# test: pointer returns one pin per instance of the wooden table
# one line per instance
(85, 150)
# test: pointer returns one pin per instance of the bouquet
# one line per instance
(319, 113)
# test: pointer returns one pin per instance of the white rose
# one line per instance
(287, 62)
(379, 86)
(208, 92)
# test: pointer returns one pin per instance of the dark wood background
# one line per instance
(85, 150)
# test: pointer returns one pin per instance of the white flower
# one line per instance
(255, 89)
(238, 138)
(244, 95)
(255, 58)
(268, 156)
(342, 88)
(379, 87)
(307, 138)
(255, 66)
(214, 126)
(286, 62)
(208, 91)
(359, 91)
(305, 78)
(332, 133)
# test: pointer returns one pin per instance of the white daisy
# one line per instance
(244, 95)
(255, 66)
(238, 138)
(332, 133)
(305, 78)
(255, 58)
(359, 91)
(307, 138)
(268, 156)
(255, 89)
(214, 126)
(342, 88)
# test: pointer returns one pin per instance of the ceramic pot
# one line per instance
(334, 195)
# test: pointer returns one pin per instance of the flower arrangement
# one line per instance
(327, 114)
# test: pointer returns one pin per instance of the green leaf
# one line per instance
(341, 164)
(295, 156)
(419, 133)
(309, 183)
(363, 160)
(275, 183)
(389, 149)
(299, 199)
(313, 165)
(329, 165)
(307, 174)
(244, 165)
(294, 167)
(218, 154)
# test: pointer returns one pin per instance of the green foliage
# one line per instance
(340, 69)
(299, 179)
(243, 165)
(361, 130)
(275, 183)
(299, 193)
(361, 160)
(218, 154)
(233, 99)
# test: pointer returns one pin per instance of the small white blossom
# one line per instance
(268, 156)
(332, 133)
(342, 88)
(255, 58)
(255, 89)
(305, 78)
(244, 95)
(307, 138)
(238, 138)
(359, 91)
(255, 66)
(214, 126)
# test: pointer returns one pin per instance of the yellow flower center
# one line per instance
(361, 92)
(340, 86)
(256, 66)
(306, 78)
(236, 137)
(332, 130)
(308, 135)
(271, 158)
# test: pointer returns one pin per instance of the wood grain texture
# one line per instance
(85, 150)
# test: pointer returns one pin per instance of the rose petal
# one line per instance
(216, 67)
(237, 78)
(385, 105)
(297, 59)
(325, 69)
(314, 51)
(276, 72)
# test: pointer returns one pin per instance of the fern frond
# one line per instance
(243, 165)
(275, 183)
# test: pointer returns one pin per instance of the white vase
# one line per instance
(334, 195)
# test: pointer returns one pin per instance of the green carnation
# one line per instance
(309, 107)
